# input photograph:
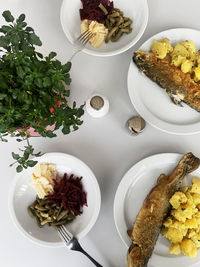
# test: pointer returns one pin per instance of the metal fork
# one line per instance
(81, 42)
(72, 243)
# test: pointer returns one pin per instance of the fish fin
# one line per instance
(129, 232)
(175, 99)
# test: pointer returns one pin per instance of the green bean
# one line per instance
(129, 22)
(61, 222)
(42, 202)
(103, 9)
(47, 212)
(117, 36)
(38, 222)
(126, 30)
(120, 21)
(107, 23)
(112, 20)
(115, 14)
(40, 208)
(46, 221)
(126, 18)
(44, 215)
(62, 214)
(110, 34)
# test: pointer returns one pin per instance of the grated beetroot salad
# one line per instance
(69, 192)
(91, 10)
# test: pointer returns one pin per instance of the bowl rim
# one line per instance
(37, 241)
(117, 51)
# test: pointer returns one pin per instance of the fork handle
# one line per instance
(73, 54)
(87, 255)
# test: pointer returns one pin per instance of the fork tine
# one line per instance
(64, 229)
(63, 235)
(88, 38)
(82, 34)
(85, 36)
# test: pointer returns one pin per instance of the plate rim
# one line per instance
(61, 243)
(117, 51)
(176, 128)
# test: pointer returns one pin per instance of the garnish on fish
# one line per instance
(149, 220)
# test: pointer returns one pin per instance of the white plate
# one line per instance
(152, 102)
(137, 10)
(22, 195)
(132, 190)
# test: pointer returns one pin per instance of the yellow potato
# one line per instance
(196, 198)
(177, 199)
(177, 60)
(174, 235)
(197, 73)
(190, 46)
(182, 227)
(196, 180)
(194, 188)
(180, 50)
(161, 48)
(186, 66)
(188, 248)
(175, 249)
(191, 223)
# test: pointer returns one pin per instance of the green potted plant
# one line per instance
(33, 92)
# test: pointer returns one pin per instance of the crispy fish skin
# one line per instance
(154, 210)
(178, 85)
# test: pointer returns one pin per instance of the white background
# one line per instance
(103, 144)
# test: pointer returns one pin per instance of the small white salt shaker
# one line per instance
(97, 106)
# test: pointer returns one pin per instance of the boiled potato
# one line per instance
(161, 48)
(182, 227)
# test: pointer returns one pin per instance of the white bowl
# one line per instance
(137, 10)
(22, 195)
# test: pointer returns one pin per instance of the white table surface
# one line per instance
(103, 144)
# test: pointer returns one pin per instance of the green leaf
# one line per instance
(22, 24)
(29, 29)
(26, 154)
(8, 16)
(52, 55)
(21, 18)
(46, 82)
(5, 29)
(20, 72)
(31, 163)
(4, 42)
(75, 127)
(19, 168)
(66, 67)
(2, 96)
(50, 134)
(80, 112)
(39, 55)
(35, 39)
(15, 156)
(66, 129)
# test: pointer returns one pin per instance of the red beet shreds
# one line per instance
(69, 192)
(91, 10)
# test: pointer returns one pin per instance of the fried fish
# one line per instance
(154, 210)
(179, 85)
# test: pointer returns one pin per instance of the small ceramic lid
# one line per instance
(97, 106)
(136, 125)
